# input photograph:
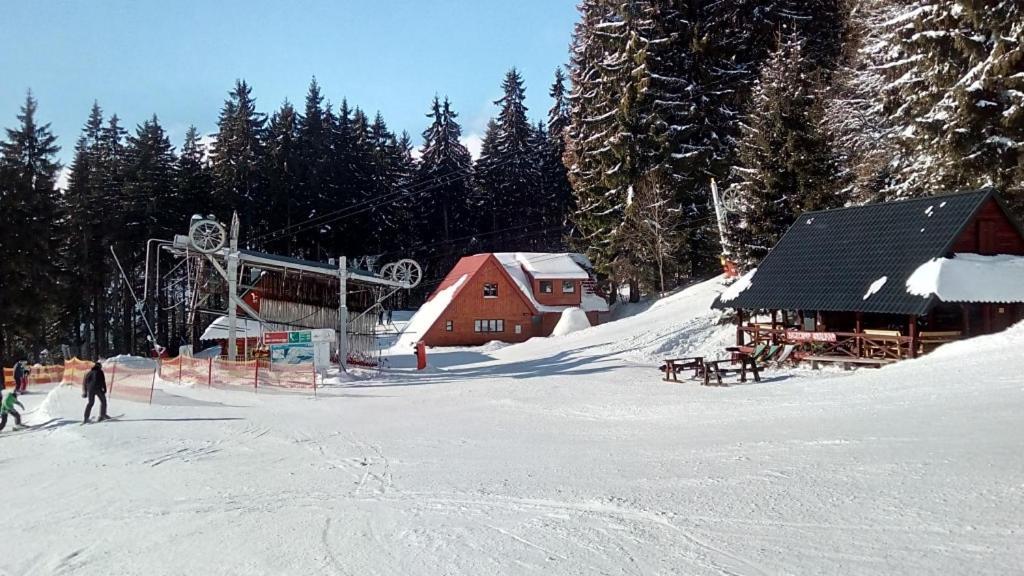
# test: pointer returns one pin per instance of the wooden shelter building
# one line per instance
(877, 283)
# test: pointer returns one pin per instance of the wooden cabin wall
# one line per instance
(990, 233)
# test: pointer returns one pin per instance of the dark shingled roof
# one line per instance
(829, 259)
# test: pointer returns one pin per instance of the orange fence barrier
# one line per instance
(185, 370)
(37, 375)
(286, 375)
(231, 375)
(130, 382)
(75, 371)
(228, 375)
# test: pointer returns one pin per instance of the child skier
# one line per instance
(8, 406)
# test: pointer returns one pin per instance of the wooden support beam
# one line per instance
(859, 329)
(739, 327)
(913, 336)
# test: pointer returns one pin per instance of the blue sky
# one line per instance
(179, 59)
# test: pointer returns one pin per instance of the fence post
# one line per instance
(314, 380)
(113, 376)
(152, 383)
(181, 362)
(256, 379)
(209, 374)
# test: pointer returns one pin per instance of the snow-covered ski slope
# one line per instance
(560, 456)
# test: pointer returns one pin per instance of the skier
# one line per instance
(8, 406)
(95, 384)
(21, 372)
(389, 317)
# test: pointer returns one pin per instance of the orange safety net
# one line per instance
(287, 375)
(228, 374)
(130, 383)
(37, 375)
(75, 370)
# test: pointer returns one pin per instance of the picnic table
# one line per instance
(673, 366)
(746, 362)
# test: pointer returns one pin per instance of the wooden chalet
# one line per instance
(877, 283)
(508, 297)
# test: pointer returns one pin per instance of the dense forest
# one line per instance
(789, 105)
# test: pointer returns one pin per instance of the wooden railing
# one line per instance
(849, 344)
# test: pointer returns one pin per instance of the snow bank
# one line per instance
(572, 320)
(970, 278)
(737, 287)
(427, 315)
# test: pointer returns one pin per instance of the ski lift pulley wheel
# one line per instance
(731, 200)
(406, 271)
(207, 236)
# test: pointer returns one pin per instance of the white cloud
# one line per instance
(473, 143)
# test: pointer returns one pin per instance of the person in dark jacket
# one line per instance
(20, 377)
(95, 386)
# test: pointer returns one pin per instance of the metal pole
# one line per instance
(342, 313)
(720, 218)
(232, 274)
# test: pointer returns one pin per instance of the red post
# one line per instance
(314, 380)
(421, 355)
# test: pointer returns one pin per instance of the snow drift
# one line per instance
(572, 320)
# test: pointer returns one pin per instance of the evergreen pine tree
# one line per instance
(29, 203)
(444, 172)
(237, 158)
(281, 179)
(510, 176)
(785, 160)
(956, 96)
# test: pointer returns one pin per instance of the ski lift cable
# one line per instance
(364, 205)
(420, 188)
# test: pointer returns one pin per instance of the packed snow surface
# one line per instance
(556, 456)
(970, 278)
(572, 320)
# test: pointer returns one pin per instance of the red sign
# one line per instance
(797, 336)
(275, 338)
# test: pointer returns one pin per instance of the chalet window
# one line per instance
(490, 290)
(488, 325)
(519, 328)
(449, 325)
(546, 287)
(568, 286)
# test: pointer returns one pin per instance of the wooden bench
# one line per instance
(872, 349)
(929, 340)
(673, 366)
(846, 361)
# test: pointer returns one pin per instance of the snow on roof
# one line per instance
(428, 314)
(737, 287)
(513, 264)
(547, 266)
(970, 278)
(245, 328)
(875, 287)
